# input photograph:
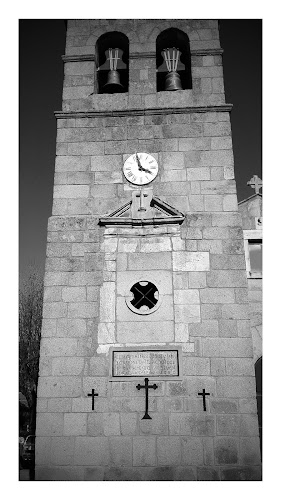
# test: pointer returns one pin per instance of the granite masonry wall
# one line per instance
(199, 266)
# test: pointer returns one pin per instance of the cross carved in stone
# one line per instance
(92, 395)
(255, 183)
(141, 203)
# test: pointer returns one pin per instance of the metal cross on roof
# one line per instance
(255, 183)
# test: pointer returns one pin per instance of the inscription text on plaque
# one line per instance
(161, 363)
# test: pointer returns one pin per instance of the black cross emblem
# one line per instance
(146, 387)
(93, 394)
(144, 294)
(204, 394)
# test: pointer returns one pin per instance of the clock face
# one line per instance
(140, 168)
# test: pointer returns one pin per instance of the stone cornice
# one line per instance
(206, 52)
(140, 55)
(138, 112)
(78, 58)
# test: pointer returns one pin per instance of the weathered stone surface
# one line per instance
(224, 405)
(59, 473)
(129, 422)
(236, 387)
(49, 424)
(75, 424)
(226, 450)
(91, 451)
(241, 474)
(249, 451)
(228, 425)
(192, 451)
(230, 347)
(144, 331)
(169, 450)
(196, 366)
(189, 261)
(120, 451)
(144, 451)
(208, 474)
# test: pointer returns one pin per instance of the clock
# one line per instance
(140, 168)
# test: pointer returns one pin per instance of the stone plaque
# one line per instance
(145, 363)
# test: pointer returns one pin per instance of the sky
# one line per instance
(41, 45)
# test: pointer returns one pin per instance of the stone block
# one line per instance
(129, 424)
(106, 333)
(187, 313)
(72, 163)
(74, 294)
(249, 425)
(43, 450)
(58, 347)
(169, 450)
(216, 295)
(145, 331)
(198, 173)
(59, 473)
(205, 328)
(59, 405)
(49, 424)
(249, 452)
(71, 327)
(228, 425)
(227, 348)
(228, 328)
(235, 311)
(227, 262)
(223, 405)
(82, 310)
(208, 450)
(196, 366)
(230, 278)
(158, 425)
(144, 451)
(192, 451)
(107, 302)
(120, 451)
(241, 367)
(54, 310)
(75, 424)
(85, 148)
(139, 261)
(52, 294)
(241, 474)
(72, 191)
(111, 424)
(91, 451)
(217, 366)
(236, 387)
(208, 474)
(67, 366)
(55, 387)
(213, 203)
(181, 332)
(248, 405)
(189, 261)
(216, 233)
(197, 279)
(211, 311)
(226, 450)
(230, 203)
(95, 424)
(186, 297)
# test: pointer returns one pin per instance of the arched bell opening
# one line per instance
(258, 375)
(112, 60)
(173, 62)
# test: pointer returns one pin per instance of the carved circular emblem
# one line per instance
(143, 298)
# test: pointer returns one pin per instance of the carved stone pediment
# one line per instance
(143, 210)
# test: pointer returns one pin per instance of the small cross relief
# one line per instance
(255, 183)
(141, 201)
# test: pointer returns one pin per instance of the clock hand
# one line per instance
(141, 167)
(138, 162)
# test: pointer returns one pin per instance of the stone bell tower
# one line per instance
(146, 364)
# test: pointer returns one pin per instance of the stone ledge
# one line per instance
(143, 111)
(139, 55)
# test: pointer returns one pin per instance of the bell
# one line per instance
(113, 84)
(173, 81)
